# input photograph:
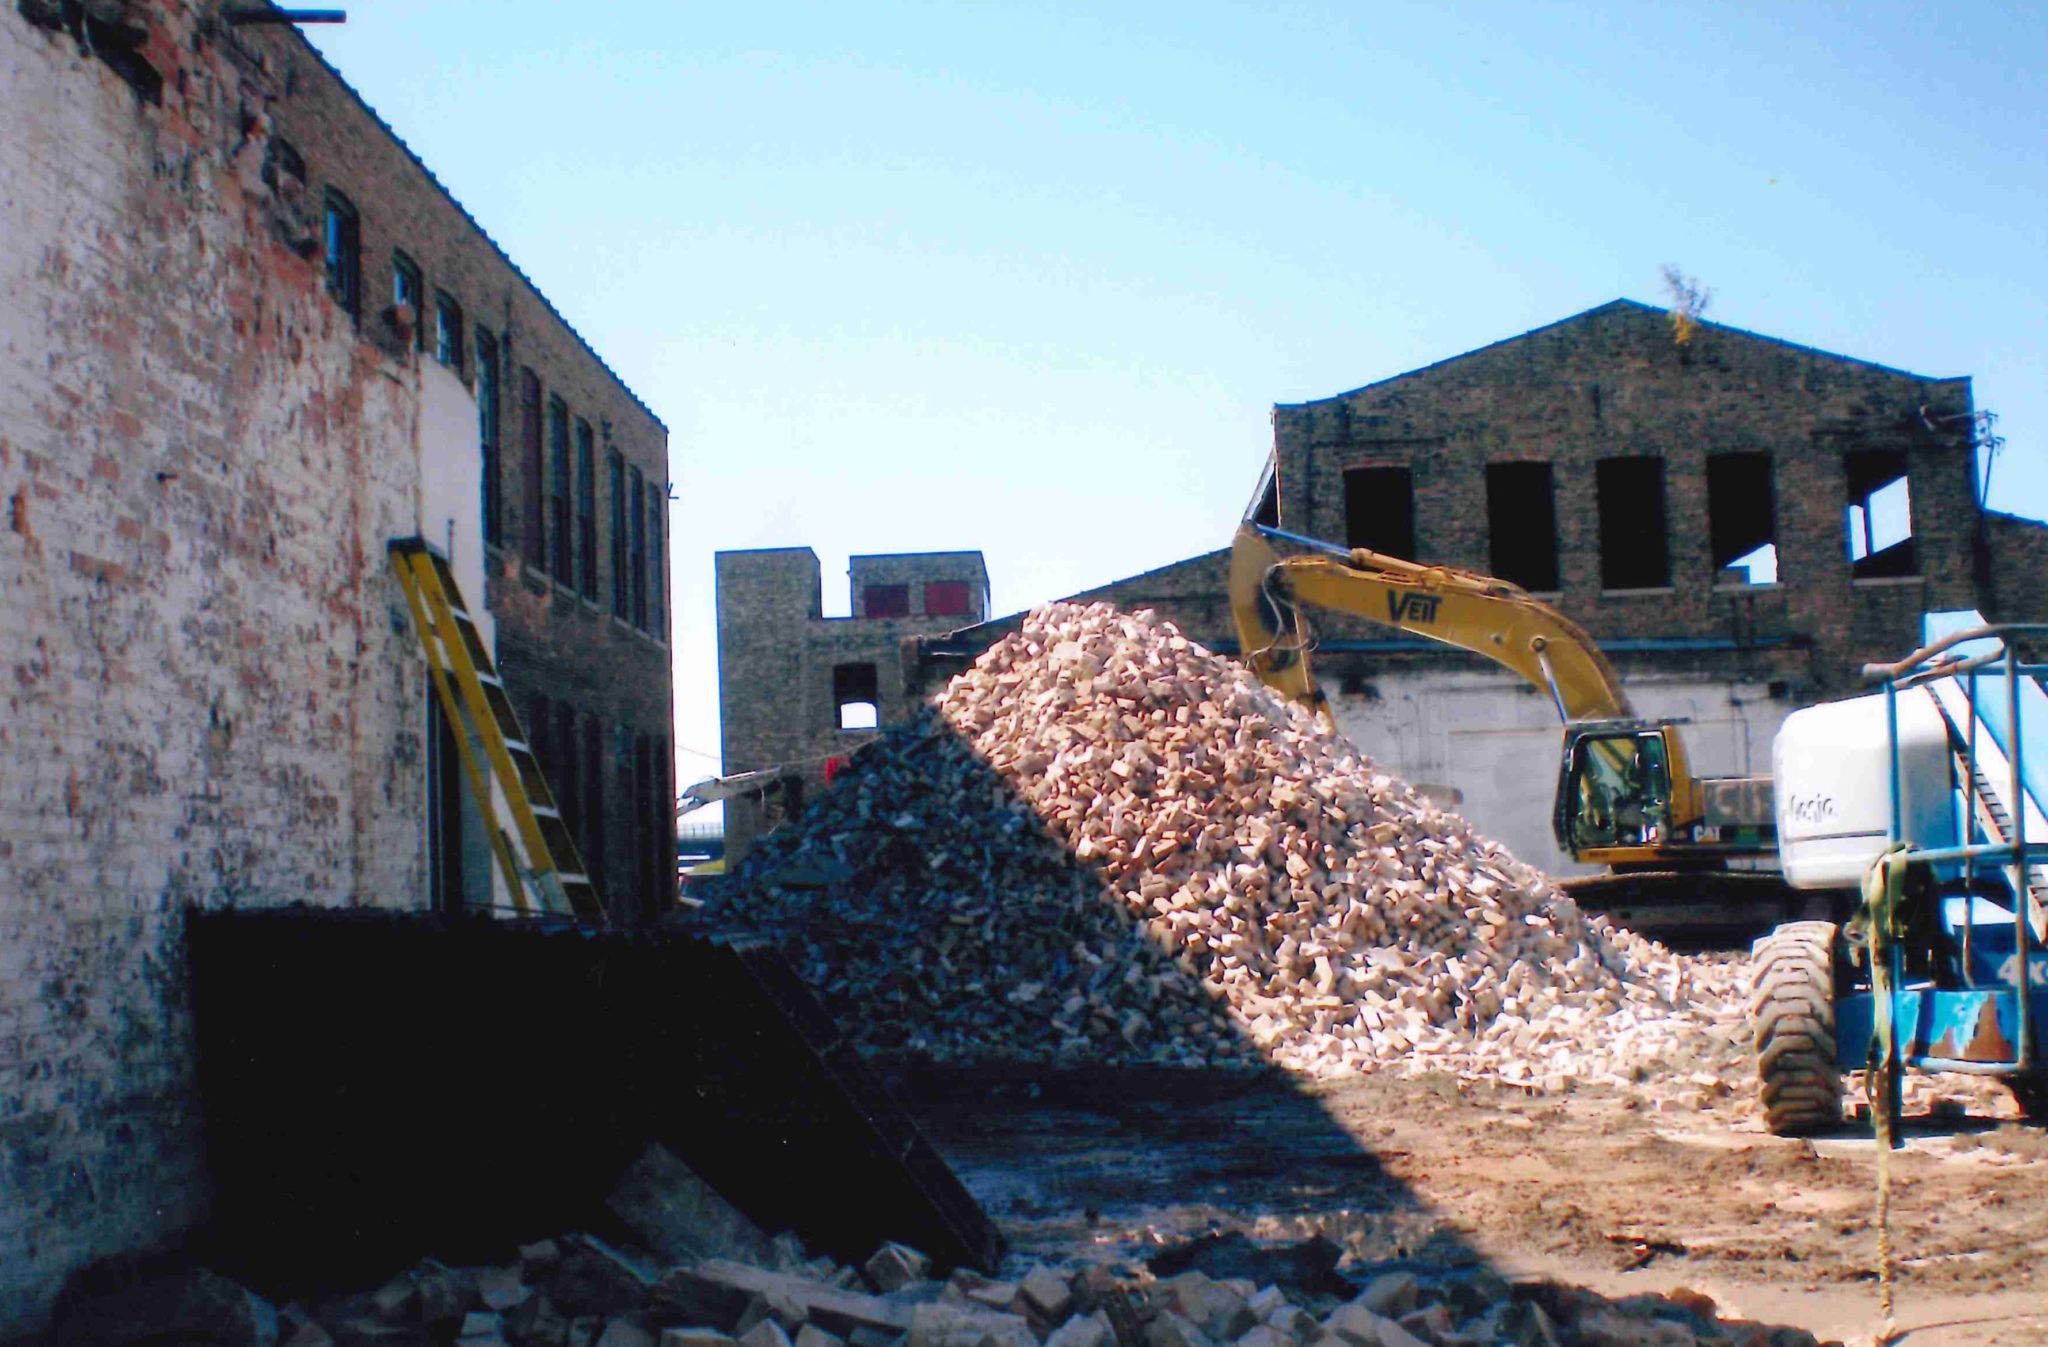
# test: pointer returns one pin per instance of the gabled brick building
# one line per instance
(1740, 521)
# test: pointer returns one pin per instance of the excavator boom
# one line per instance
(1473, 612)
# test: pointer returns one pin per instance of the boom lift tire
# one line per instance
(1792, 1013)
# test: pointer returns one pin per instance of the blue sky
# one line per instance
(1029, 278)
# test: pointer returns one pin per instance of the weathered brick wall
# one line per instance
(914, 570)
(776, 654)
(1612, 382)
(578, 670)
(211, 693)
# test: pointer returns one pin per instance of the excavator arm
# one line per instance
(1459, 608)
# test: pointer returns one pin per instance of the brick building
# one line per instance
(217, 406)
(797, 688)
(1740, 521)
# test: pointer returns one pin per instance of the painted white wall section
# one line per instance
(1487, 744)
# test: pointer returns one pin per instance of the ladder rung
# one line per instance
(546, 811)
(571, 881)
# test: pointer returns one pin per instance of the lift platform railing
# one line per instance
(1965, 656)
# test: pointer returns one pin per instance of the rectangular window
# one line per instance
(616, 472)
(855, 692)
(536, 470)
(405, 294)
(947, 598)
(558, 491)
(636, 547)
(885, 601)
(1379, 510)
(657, 572)
(447, 331)
(586, 512)
(1521, 525)
(568, 764)
(487, 431)
(344, 254)
(1635, 549)
(1879, 518)
(1742, 527)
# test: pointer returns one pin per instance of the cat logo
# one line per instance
(1412, 607)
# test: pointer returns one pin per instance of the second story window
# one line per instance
(615, 474)
(534, 471)
(1521, 524)
(558, 491)
(1635, 548)
(656, 571)
(343, 236)
(947, 598)
(405, 294)
(487, 432)
(586, 512)
(885, 601)
(1379, 510)
(636, 546)
(447, 331)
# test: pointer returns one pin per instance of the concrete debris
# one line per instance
(1108, 844)
(1191, 1309)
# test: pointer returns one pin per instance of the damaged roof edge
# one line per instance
(473, 223)
(1619, 305)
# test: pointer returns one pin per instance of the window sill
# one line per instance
(1885, 581)
(1748, 589)
(1656, 591)
(648, 637)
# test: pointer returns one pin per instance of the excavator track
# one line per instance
(1703, 909)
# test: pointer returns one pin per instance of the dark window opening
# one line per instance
(1635, 548)
(1379, 510)
(1742, 524)
(558, 491)
(567, 768)
(615, 466)
(344, 254)
(1879, 518)
(447, 331)
(282, 162)
(657, 572)
(586, 511)
(886, 601)
(947, 598)
(856, 694)
(405, 294)
(536, 469)
(636, 545)
(1521, 523)
(487, 431)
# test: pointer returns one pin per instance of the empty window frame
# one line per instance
(1879, 516)
(1635, 545)
(535, 470)
(1521, 524)
(1742, 527)
(885, 601)
(656, 571)
(559, 554)
(447, 331)
(948, 598)
(1379, 510)
(567, 768)
(586, 511)
(406, 292)
(615, 472)
(856, 694)
(343, 237)
(488, 430)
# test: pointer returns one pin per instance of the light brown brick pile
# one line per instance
(1111, 842)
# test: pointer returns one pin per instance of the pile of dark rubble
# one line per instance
(580, 1292)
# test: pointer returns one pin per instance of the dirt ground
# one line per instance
(1596, 1187)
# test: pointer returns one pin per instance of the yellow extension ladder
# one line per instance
(535, 851)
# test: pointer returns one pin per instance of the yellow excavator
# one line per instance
(1626, 795)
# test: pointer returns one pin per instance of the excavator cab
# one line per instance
(1616, 789)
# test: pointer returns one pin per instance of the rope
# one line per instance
(1884, 886)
